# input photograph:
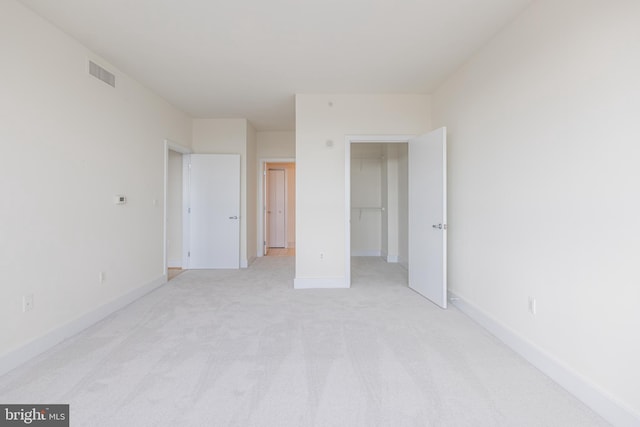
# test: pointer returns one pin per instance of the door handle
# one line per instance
(233, 217)
(440, 226)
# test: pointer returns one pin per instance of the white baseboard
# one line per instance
(319, 283)
(17, 357)
(366, 253)
(392, 258)
(592, 395)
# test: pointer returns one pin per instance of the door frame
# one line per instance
(170, 145)
(359, 139)
(262, 164)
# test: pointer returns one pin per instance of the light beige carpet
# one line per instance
(243, 348)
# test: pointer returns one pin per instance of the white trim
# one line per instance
(359, 139)
(261, 198)
(393, 258)
(319, 283)
(17, 357)
(592, 395)
(173, 146)
(367, 253)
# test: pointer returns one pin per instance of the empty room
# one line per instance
(320, 213)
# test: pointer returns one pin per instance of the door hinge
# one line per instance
(189, 254)
(188, 210)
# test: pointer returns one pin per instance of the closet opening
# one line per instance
(278, 208)
(378, 207)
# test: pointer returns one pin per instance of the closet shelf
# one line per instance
(367, 208)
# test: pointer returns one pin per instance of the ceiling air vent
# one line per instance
(100, 73)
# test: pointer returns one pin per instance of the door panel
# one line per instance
(428, 216)
(276, 208)
(214, 235)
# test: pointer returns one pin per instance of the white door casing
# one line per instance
(214, 211)
(428, 216)
(265, 209)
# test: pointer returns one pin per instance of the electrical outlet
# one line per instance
(101, 277)
(532, 305)
(27, 303)
(321, 256)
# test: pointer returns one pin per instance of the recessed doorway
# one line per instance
(427, 209)
(278, 207)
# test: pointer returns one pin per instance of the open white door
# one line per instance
(214, 204)
(428, 216)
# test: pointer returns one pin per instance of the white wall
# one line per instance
(403, 205)
(392, 204)
(291, 205)
(276, 144)
(320, 171)
(174, 209)
(384, 201)
(69, 144)
(233, 136)
(252, 193)
(544, 176)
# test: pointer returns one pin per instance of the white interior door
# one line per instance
(276, 208)
(428, 216)
(214, 205)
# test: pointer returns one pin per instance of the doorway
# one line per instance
(426, 206)
(278, 208)
(175, 191)
(379, 203)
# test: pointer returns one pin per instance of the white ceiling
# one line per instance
(247, 58)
